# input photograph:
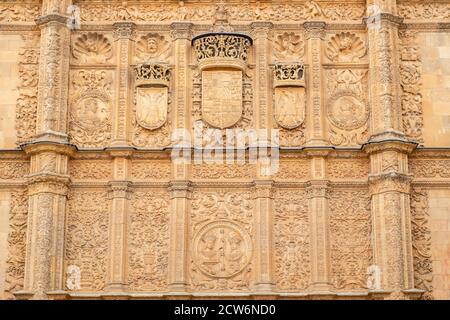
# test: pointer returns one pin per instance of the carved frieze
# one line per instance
(14, 170)
(90, 170)
(155, 170)
(232, 171)
(11, 12)
(423, 11)
(430, 168)
(347, 168)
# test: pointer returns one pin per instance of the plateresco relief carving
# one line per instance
(239, 149)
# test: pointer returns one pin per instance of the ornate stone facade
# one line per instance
(98, 207)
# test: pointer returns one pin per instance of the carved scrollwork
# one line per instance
(222, 50)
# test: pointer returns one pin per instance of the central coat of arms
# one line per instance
(151, 107)
(222, 97)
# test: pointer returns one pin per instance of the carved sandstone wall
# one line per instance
(93, 206)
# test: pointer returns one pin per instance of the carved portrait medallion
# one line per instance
(151, 106)
(346, 111)
(289, 106)
(221, 97)
(222, 249)
(91, 110)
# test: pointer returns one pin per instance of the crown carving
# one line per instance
(289, 75)
(229, 50)
(152, 75)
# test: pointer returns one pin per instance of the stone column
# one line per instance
(384, 78)
(315, 34)
(47, 188)
(318, 193)
(123, 33)
(180, 187)
(390, 185)
(49, 154)
(264, 191)
(120, 195)
(389, 178)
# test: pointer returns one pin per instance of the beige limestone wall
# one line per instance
(440, 242)
(9, 81)
(4, 226)
(435, 51)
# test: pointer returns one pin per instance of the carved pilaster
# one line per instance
(315, 34)
(47, 189)
(262, 36)
(123, 34)
(180, 194)
(384, 79)
(53, 72)
(389, 185)
(264, 194)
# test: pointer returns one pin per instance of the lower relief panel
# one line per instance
(221, 241)
(87, 231)
(350, 230)
(291, 240)
(148, 240)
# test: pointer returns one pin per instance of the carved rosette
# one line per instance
(152, 105)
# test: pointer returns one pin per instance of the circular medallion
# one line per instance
(346, 111)
(91, 109)
(222, 249)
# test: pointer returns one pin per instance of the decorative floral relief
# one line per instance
(15, 264)
(430, 168)
(148, 241)
(93, 48)
(221, 233)
(421, 240)
(348, 169)
(90, 170)
(411, 82)
(424, 11)
(26, 107)
(346, 47)
(292, 240)
(87, 236)
(350, 232)
(289, 46)
(18, 12)
(14, 169)
(158, 170)
(238, 12)
(293, 170)
(223, 171)
(153, 48)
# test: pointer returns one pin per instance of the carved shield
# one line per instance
(151, 107)
(289, 106)
(221, 97)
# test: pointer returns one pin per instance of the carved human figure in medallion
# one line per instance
(346, 111)
(221, 249)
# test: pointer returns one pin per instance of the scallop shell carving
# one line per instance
(346, 47)
(92, 47)
(153, 48)
(288, 47)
